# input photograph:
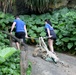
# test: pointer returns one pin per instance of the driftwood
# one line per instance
(43, 51)
(23, 54)
(12, 36)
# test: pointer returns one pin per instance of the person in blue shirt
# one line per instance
(21, 31)
(50, 34)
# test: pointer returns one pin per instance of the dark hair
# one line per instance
(48, 21)
(16, 16)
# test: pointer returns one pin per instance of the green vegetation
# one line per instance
(5, 53)
(10, 62)
(11, 66)
(63, 21)
(29, 69)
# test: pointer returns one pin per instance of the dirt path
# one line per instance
(42, 67)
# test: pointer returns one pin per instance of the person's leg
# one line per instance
(23, 37)
(17, 34)
(20, 35)
(50, 43)
(18, 45)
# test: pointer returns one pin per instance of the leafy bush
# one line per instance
(6, 53)
(65, 29)
(11, 66)
(63, 21)
(4, 41)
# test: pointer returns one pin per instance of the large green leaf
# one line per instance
(2, 15)
(6, 52)
(73, 38)
(56, 31)
(37, 21)
(33, 35)
(2, 60)
(30, 32)
(64, 11)
(65, 39)
(43, 34)
(34, 28)
(40, 29)
(58, 42)
(75, 43)
(60, 36)
(70, 45)
(74, 32)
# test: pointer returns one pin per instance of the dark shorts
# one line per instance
(52, 33)
(20, 35)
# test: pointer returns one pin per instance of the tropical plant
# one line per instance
(12, 63)
(63, 20)
(64, 23)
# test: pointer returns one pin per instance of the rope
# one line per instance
(38, 37)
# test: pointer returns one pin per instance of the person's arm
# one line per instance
(13, 26)
(25, 31)
(48, 31)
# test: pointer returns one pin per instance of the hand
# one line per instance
(10, 32)
(50, 36)
(26, 36)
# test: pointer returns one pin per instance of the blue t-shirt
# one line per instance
(19, 25)
(48, 26)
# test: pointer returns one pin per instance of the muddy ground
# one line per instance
(42, 67)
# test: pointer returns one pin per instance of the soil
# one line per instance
(67, 66)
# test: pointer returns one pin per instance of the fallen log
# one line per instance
(12, 36)
(44, 52)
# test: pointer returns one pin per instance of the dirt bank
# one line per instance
(42, 67)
